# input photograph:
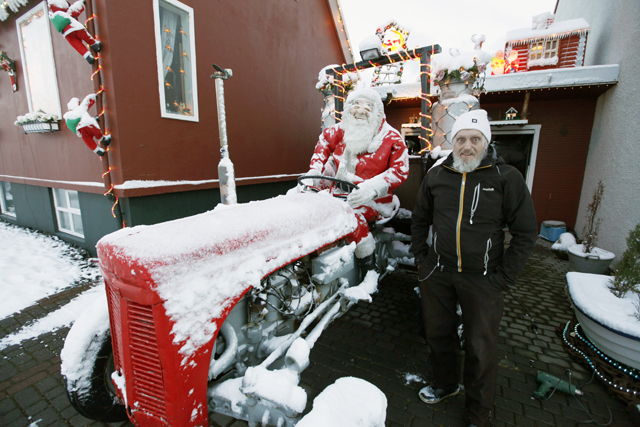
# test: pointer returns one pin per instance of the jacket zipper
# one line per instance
(474, 202)
(486, 256)
(458, 248)
(435, 239)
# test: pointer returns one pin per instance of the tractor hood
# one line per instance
(197, 267)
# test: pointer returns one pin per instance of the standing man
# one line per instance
(467, 201)
(364, 150)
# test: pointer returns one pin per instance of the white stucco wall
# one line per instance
(614, 150)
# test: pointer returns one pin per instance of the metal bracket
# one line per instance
(225, 74)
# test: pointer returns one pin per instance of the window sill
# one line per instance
(40, 127)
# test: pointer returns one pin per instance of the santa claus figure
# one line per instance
(63, 17)
(80, 122)
(364, 150)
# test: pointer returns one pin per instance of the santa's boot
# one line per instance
(99, 151)
(90, 59)
(367, 263)
(97, 46)
(106, 140)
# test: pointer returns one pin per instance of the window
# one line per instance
(68, 211)
(176, 55)
(37, 61)
(543, 50)
(7, 206)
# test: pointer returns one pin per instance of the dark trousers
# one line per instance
(482, 304)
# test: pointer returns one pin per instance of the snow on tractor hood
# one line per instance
(198, 264)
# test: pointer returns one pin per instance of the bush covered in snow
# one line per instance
(628, 269)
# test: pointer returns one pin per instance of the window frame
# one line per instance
(543, 51)
(192, 58)
(70, 210)
(56, 93)
(3, 202)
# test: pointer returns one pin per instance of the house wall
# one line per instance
(57, 156)
(273, 110)
(613, 149)
(562, 151)
(275, 50)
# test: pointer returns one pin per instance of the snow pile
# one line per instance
(578, 250)
(279, 387)
(565, 240)
(591, 294)
(37, 265)
(364, 290)
(413, 378)
(221, 253)
(349, 402)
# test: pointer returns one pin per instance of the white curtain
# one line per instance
(168, 22)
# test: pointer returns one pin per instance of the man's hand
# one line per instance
(362, 195)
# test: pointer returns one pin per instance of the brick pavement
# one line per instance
(379, 342)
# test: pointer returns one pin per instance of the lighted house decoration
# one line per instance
(511, 114)
(393, 39)
(548, 44)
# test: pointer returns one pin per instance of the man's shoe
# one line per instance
(430, 395)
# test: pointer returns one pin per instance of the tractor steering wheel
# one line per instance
(343, 185)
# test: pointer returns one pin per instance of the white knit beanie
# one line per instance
(475, 119)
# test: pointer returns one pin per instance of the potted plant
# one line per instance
(608, 308)
(586, 257)
(38, 122)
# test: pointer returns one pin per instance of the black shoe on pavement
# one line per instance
(430, 395)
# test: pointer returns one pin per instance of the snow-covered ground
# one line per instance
(35, 266)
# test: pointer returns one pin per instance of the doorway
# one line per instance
(518, 146)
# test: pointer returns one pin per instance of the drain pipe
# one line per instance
(225, 167)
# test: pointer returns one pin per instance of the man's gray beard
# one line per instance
(470, 165)
(357, 133)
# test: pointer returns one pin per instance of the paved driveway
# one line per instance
(379, 342)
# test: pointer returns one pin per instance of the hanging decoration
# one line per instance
(80, 122)
(63, 17)
(394, 40)
(10, 67)
(13, 5)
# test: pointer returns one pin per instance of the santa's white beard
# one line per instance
(357, 137)
(469, 165)
(357, 133)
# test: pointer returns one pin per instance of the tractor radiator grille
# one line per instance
(116, 324)
(148, 383)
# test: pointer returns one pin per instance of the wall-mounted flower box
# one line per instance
(40, 127)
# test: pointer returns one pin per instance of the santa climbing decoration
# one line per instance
(63, 17)
(80, 122)
(10, 67)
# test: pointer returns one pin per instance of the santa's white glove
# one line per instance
(363, 195)
(311, 182)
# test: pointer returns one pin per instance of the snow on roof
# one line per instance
(558, 77)
(542, 79)
(198, 263)
(560, 29)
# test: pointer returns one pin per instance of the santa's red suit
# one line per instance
(63, 16)
(79, 120)
(378, 167)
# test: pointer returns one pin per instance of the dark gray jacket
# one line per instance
(468, 212)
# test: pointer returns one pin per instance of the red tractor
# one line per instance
(200, 307)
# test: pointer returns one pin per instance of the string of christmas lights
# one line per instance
(98, 75)
(619, 366)
(593, 366)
